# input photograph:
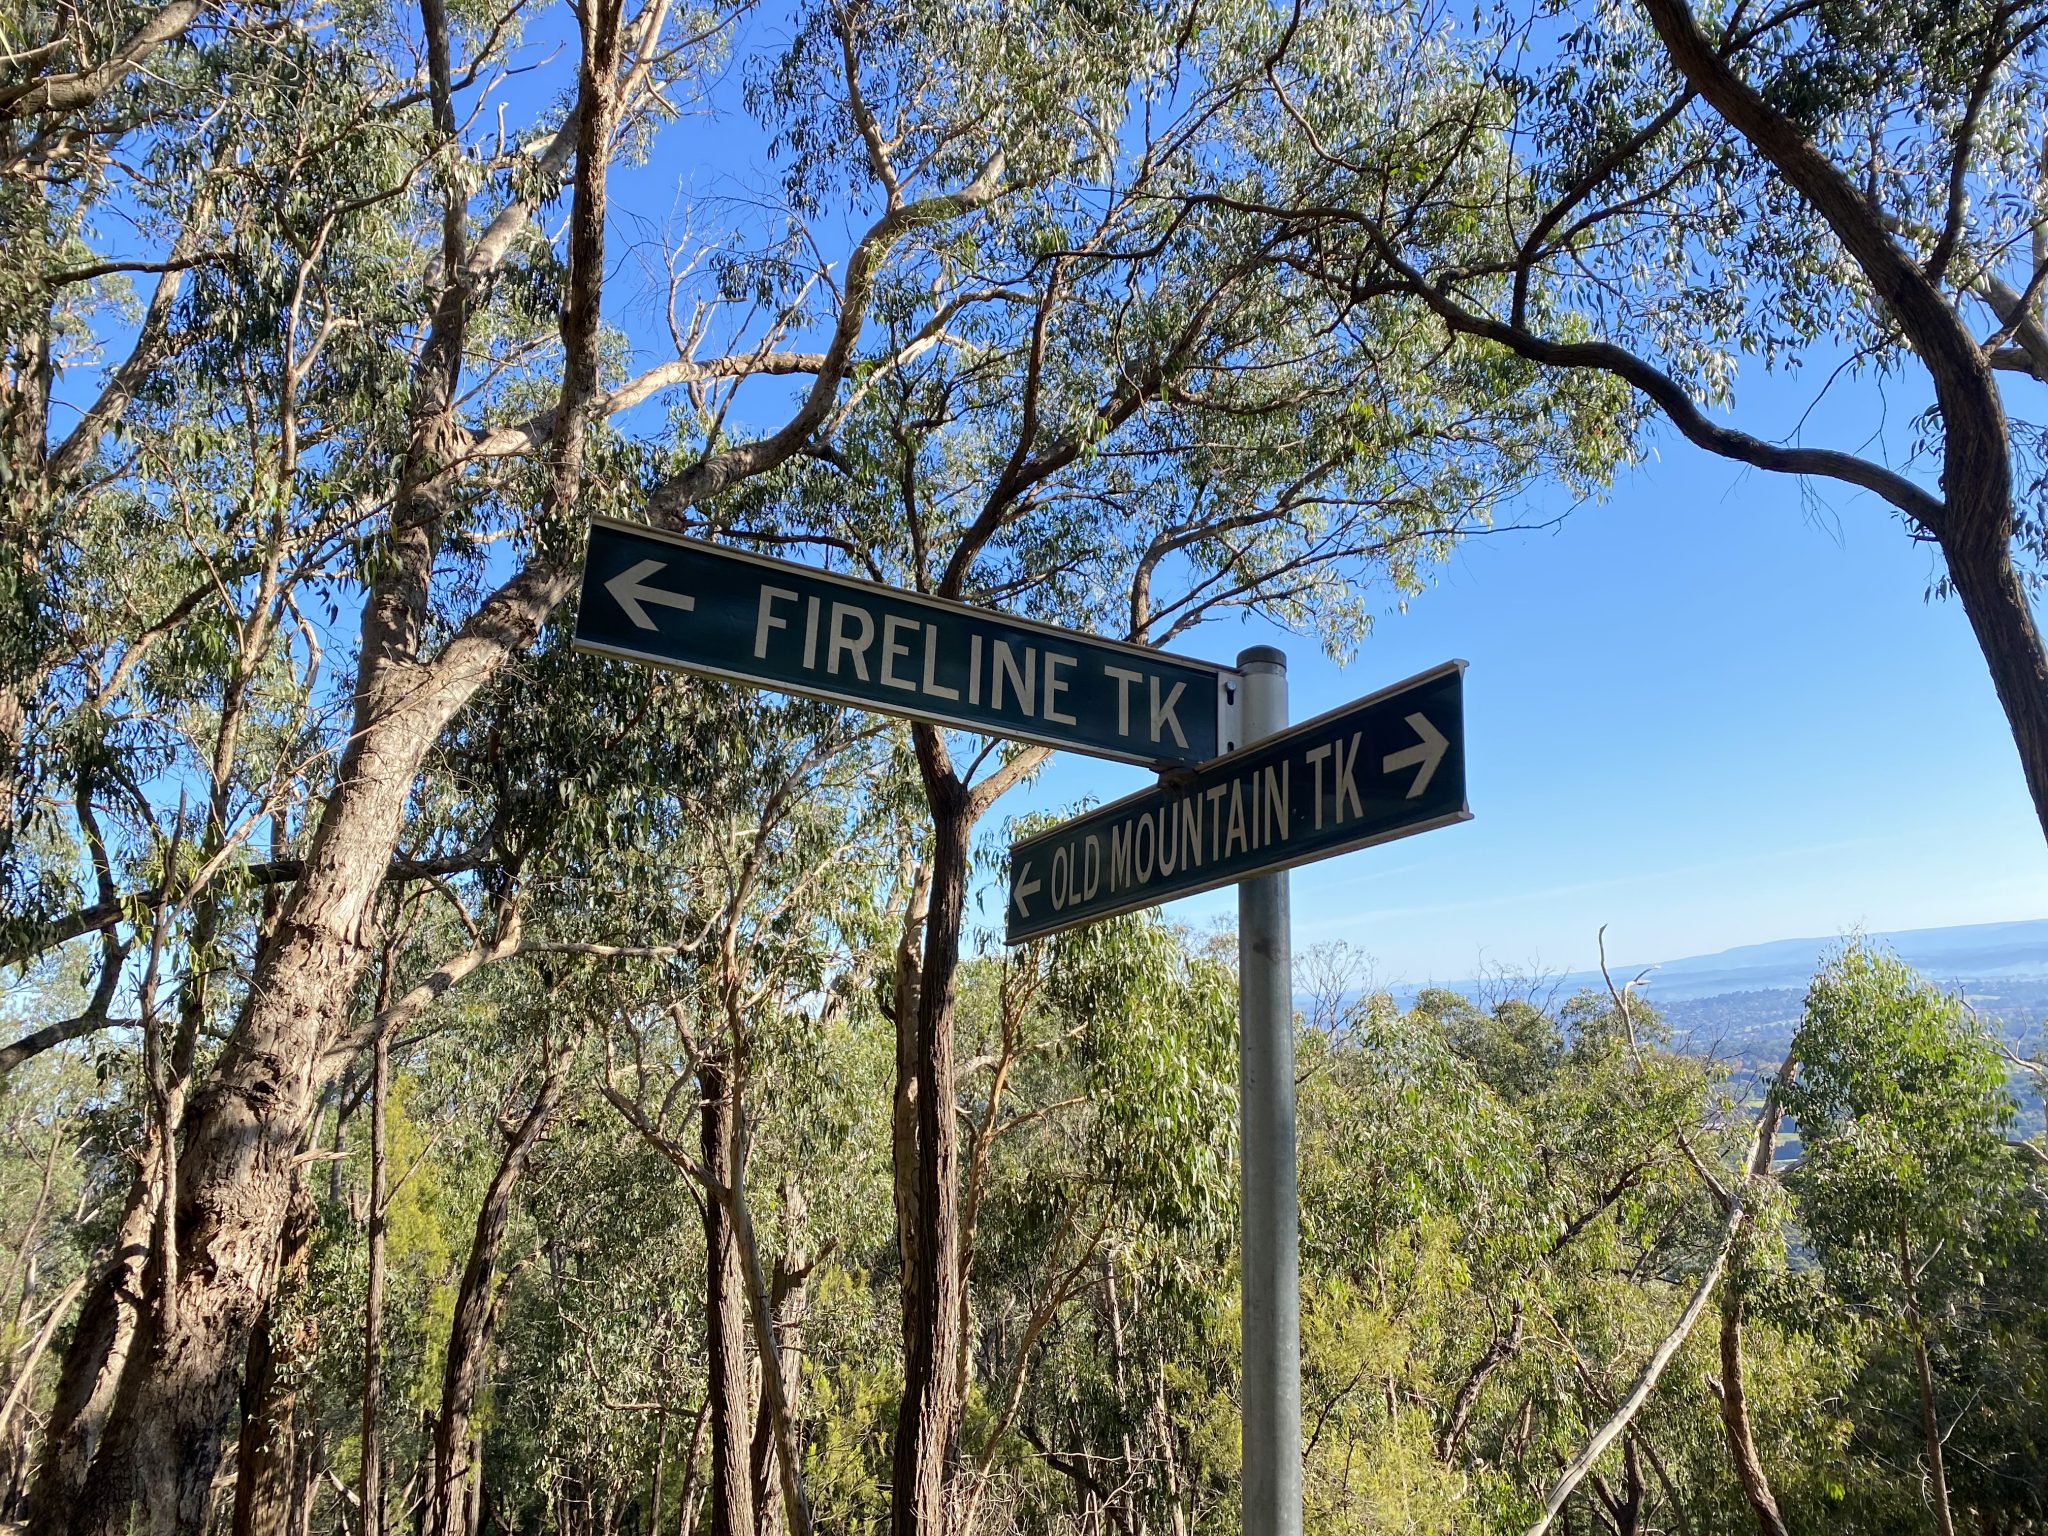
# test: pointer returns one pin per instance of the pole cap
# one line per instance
(1262, 658)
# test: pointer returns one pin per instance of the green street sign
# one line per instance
(703, 608)
(1388, 766)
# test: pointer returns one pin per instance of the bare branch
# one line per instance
(718, 471)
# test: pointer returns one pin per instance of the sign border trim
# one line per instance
(1390, 835)
(1393, 835)
(1223, 672)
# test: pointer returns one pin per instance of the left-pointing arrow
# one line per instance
(630, 589)
(1024, 887)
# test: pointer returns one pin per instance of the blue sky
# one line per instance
(1717, 709)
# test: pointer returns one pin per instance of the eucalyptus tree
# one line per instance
(1652, 194)
(1116, 407)
(1504, 1212)
(1098, 1107)
(597, 1395)
(589, 816)
(1924, 1217)
(68, 108)
(772, 857)
(362, 244)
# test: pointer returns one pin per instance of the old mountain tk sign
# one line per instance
(1387, 766)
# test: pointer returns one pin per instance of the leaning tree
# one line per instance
(1651, 194)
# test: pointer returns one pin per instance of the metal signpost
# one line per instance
(703, 608)
(1390, 765)
(1242, 798)
(1269, 1214)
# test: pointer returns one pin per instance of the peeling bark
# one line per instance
(268, 1457)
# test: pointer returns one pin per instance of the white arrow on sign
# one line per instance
(1023, 888)
(1426, 756)
(629, 588)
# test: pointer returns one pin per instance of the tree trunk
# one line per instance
(789, 1302)
(688, 1500)
(928, 1425)
(656, 1489)
(483, 1509)
(309, 1482)
(1133, 1478)
(244, 1127)
(373, 1292)
(93, 1367)
(908, 986)
(1624, 1513)
(268, 1453)
(725, 1319)
(1930, 1422)
(473, 1512)
(1162, 1428)
(1762, 1139)
(1994, 599)
(469, 1334)
(1975, 521)
(1499, 1351)
(1749, 1469)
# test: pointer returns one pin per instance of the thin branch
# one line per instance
(105, 913)
(1732, 1226)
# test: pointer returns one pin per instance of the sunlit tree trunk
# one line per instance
(469, 1333)
(244, 1126)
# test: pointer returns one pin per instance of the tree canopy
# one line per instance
(458, 1081)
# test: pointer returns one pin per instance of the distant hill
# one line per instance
(1976, 952)
(1743, 1004)
(1994, 958)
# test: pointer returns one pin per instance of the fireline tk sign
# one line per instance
(704, 608)
(1387, 766)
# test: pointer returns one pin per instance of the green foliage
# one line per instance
(1926, 1222)
(1155, 377)
(1902, 1102)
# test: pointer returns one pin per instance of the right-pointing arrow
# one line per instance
(1023, 887)
(629, 589)
(1426, 756)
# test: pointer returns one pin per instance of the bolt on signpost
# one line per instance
(1242, 798)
